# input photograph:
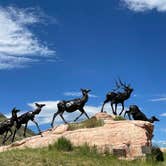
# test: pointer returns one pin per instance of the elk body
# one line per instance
(26, 117)
(116, 98)
(6, 125)
(137, 114)
(72, 106)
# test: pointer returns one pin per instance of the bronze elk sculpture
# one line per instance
(26, 117)
(7, 124)
(137, 114)
(72, 106)
(116, 98)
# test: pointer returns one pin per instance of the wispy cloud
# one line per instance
(164, 114)
(144, 5)
(19, 46)
(158, 99)
(78, 94)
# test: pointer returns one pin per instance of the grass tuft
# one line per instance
(89, 123)
(117, 118)
(62, 144)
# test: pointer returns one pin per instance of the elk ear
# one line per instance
(88, 90)
(37, 104)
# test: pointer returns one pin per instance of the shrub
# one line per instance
(156, 154)
(62, 144)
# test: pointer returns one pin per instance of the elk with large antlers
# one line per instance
(116, 98)
(72, 106)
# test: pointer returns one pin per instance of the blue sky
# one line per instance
(51, 49)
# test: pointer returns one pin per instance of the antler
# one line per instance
(117, 86)
(122, 84)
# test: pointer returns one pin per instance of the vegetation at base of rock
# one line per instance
(117, 118)
(156, 154)
(62, 144)
(19, 134)
(89, 123)
(82, 156)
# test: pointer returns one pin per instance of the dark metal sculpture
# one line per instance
(137, 114)
(72, 105)
(26, 117)
(6, 125)
(118, 97)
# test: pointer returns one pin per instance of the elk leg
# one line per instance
(78, 116)
(113, 109)
(122, 108)
(37, 127)
(14, 135)
(103, 105)
(4, 138)
(61, 115)
(128, 113)
(25, 128)
(9, 135)
(52, 123)
(86, 114)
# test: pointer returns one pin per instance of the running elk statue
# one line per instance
(137, 114)
(116, 98)
(72, 106)
(7, 124)
(26, 117)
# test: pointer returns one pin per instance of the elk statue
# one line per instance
(7, 124)
(26, 117)
(72, 106)
(137, 114)
(116, 98)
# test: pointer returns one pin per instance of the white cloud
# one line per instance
(159, 99)
(19, 46)
(144, 5)
(164, 114)
(78, 94)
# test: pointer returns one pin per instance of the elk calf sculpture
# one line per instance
(6, 125)
(137, 114)
(26, 117)
(116, 98)
(71, 106)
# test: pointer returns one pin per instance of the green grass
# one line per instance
(79, 156)
(117, 118)
(89, 123)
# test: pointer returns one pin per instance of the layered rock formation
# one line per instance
(126, 139)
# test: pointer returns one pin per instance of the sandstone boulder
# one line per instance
(126, 139)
